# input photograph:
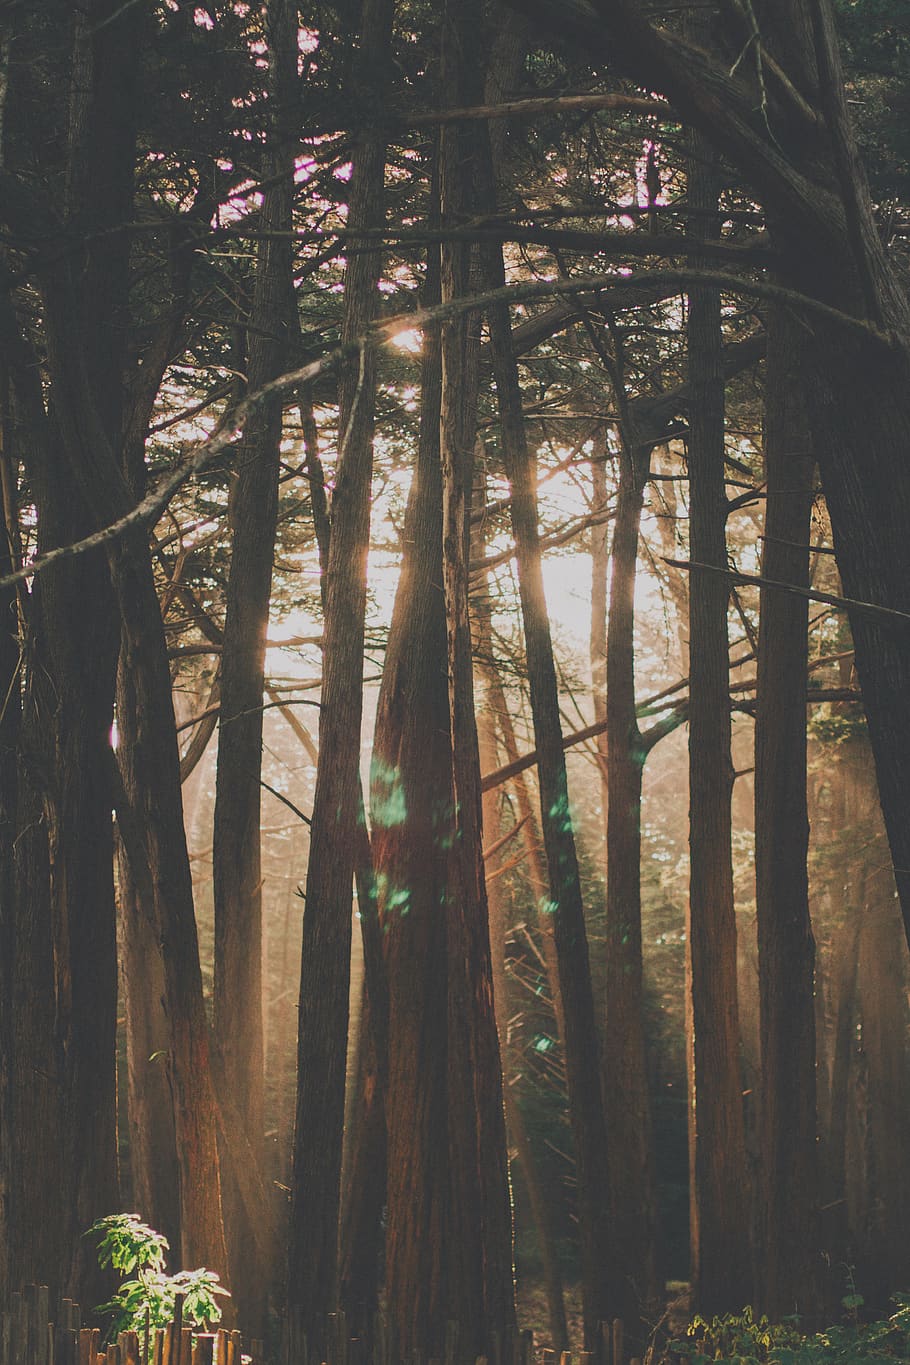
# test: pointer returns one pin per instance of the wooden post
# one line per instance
(527, 1348)
(617, 1341)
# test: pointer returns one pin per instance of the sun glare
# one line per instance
(410, 340)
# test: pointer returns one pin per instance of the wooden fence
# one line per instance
(511, 1347)
(32, 1334)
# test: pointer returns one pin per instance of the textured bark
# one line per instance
(153, 1142)
(88, 406)
(720, 1212)
(10, 721)
(411, 808)
(628, 1110)
(149, 764)
(365, 1190)
(515, 1124)
(790, 1261)
(479, 1220)
(64, 875)
(325, 963)
(33, 1140)
(253, 514)
(236, 852)
(565, 899)
(882, 987)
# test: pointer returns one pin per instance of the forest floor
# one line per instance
(533, 1311)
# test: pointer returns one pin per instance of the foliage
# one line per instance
(129, 1245)
(741, 1339)
(736, 1336)
(126, 1244)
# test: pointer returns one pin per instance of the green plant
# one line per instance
(738, 1337)
(136, 1251)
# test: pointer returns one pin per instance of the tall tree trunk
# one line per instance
(253, 513)
(410, 804)
(882, 972)
(325, 963)
(236, 852)
(566, 906)
(789, 1236)
(71, 781)
(632, 1192)
(479, 1218)
(10, 722)
(720, 1212)
(515, 1124)
(87, 386)
(153, 1141)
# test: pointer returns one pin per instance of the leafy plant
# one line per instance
(138, 1252)
(741, 1339)
(127, 1244)
(737, 1336)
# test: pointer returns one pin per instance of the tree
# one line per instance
(720, 1214)
(791, 139)
(315, 1197)
(253, 511)
(790, 1270)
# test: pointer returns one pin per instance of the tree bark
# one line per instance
(10, 718)
(253, 513)
(479, 1218)
(515, 1124)
(790, 1235)
(720, 1212)
(566, 905)
(325, 962)
(628, 1109)
(236, 851)
(410, 804)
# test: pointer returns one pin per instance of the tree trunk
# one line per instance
(601, 1297)
(410, 805)
(480, 1289)
(515, 1124)
(628, 1109)
(789, 1237)
(10, 718)
(236, 852)
(882, 986)
(720, 1212)
(325, 962)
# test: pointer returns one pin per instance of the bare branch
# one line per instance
(756, 580)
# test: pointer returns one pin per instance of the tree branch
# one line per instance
(850, 604)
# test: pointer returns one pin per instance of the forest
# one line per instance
(454, 661)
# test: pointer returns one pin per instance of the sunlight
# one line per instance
(410, 340)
